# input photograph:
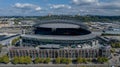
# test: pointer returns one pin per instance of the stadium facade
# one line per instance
(58, 38)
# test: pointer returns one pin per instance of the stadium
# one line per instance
(58, 38)
(64, 33)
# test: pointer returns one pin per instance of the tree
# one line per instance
(102, 59)
(27, 60)
(36, 61)
(79, 60)
(112, 50)
(115, 44)
(68, 61)
(57, 60)
(89, 60)
(41, 60)
(105, 59)
(1, 59)
(63, 60)
(5, 59)
(21, 60)
(14, 41)
(99, 59)
(84, 60)
(15, 60)
(47, 60)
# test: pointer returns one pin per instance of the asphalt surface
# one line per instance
(58, 65)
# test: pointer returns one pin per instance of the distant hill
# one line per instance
(87, 18)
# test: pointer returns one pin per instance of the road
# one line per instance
(58, 65)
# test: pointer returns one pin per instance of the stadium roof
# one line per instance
(54, 37)
(59, 25)
(55, 23)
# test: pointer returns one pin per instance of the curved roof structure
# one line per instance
(68, 24)
(61, 28)
(51, 37)
(59, 25)
(60, 31)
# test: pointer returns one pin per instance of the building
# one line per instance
(112, 31)
(58, 38)
(54, 53)
(6, 39)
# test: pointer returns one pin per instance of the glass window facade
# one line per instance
(54, 53)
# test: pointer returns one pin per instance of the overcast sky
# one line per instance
(67, 7)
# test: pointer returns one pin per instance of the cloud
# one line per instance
(38, 8)
(60, 6)
(82, 7)
(84, 2)
(96, 7)
(27, 6)
(112, 5)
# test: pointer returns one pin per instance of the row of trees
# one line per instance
(83, 60)
(115, 45)
(60, 60)
(63, 60)
(102, 59)
(28, 60)
(99, 60)
(22, 60)
(41, 60)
